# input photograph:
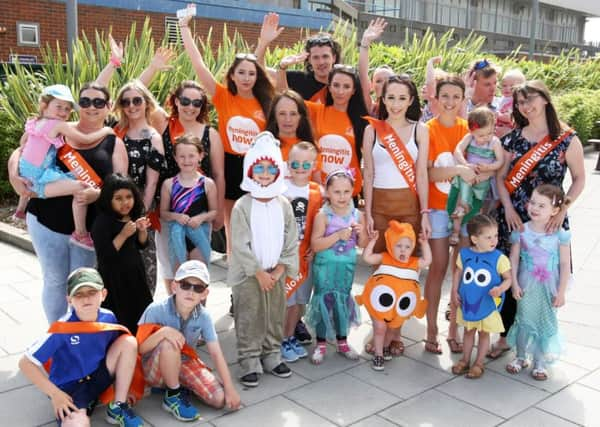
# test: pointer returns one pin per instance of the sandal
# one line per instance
(448, 312)
(454, 239)
(476, 371)
(496, 352)
(396, 348)
(433, 347)
(517, 365)
(455, 346)
(461, 367)
(539, 374)
(370, 347)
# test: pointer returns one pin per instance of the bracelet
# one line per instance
(116, 62)
(425, 211)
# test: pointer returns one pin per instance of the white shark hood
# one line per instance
(264, 147)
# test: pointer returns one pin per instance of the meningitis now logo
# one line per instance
(241, 132)
(336, 152)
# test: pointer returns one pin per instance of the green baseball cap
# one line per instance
(84, 276)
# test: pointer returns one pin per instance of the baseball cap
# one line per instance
(61, 92)
(84, 276)
(193, 268)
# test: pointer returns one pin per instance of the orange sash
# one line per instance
(319, 96)
(529, 160)
(397, 151)
(314, 204)
(136, 389)
(147, 329)
(78, 166)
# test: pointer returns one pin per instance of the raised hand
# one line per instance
(373, 31)
(290, 60)
(270, 29)
(161, 59)
(116, 50)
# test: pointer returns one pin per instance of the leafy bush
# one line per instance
(580, 110)
(9, 140)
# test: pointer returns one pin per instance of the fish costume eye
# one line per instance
(382, 298)
(406, 304)
(482, 277)
(468, 275)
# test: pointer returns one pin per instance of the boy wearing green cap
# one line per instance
(86, 362)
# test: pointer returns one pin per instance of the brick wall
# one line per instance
(51, 16)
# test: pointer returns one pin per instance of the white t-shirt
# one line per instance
(385, 172)
(298, 197)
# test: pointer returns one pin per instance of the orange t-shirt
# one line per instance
(442, 143)
(286, 146)
(240, 120)
(335, 138)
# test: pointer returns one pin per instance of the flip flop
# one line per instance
(396, 348)
(455, 346)
(496, 352)
(433, 347)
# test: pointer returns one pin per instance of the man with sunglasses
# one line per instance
(321, 51)
(168, 333)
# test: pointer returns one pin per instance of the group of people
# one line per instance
(304, 168)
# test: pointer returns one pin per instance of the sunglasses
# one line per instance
(185, 101)
(480, 65)
(136, 100)
(260, 169)
(319, 41)
(86, 102)
(186, 286)
(345, 68)
(306, 165)
(528, 100)
(250, 56)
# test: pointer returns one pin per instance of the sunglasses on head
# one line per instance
(186, 286)
(480, 65)
(295, 164)
(250, 56)
(260, 169)
(319, 41)
(185, 101)
(136, 100)
(344, 67)
(86, 102)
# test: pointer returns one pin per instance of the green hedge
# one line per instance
(581, 110)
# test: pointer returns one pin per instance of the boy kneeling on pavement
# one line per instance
(167, 334)
(88, 352)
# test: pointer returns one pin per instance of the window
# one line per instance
(28, 34)
(172, 30)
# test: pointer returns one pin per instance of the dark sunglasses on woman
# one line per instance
(185, 101)
(136, 100)
(86, 102)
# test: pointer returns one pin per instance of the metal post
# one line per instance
(71, 26)
(535, 11)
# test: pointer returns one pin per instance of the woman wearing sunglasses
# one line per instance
(339, 123)
(242, 106)
(134, 107)
(48, 223)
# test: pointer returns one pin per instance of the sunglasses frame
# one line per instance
(249, 56)
(185, 101)
(319, 41)
(186, 286)
(260, 169)
(136, 100)
(98, 103)
(306, 165)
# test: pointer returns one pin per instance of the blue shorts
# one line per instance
(86, 391)
(302, 294)
(440, 221)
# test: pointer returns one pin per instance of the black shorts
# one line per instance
(234, 173)
(86, 391)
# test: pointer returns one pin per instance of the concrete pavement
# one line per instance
(417, 389)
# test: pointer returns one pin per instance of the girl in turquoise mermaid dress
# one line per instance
(541, 271)
(338, 228)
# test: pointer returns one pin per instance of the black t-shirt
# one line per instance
(304, 83)
(56, 213)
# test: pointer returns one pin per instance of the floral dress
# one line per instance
(550, 170)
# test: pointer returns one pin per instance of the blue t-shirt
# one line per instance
(73, 355)
(199, 324)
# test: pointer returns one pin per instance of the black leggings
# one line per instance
(508, 312)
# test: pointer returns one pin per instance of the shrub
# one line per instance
(580, 110)
(9, 140)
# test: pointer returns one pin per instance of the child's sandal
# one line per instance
(460, 368)
(517, 365)
(539, 374)
(476, 371)
(387, 354)
(396, 348)
(454, 239)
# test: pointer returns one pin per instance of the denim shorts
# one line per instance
(439, 220)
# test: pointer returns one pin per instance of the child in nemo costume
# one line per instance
(392, 294)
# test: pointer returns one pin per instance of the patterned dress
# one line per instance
(535, 331)
(332, 309)
(550, 170)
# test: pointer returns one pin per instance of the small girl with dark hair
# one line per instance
(188, 202)
(541, 270)
(119, 232)
(481, 277)
(481, 151)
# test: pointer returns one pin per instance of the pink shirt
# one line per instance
(38, 141)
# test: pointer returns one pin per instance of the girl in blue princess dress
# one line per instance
(541, 271)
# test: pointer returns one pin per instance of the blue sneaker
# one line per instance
(180, 406)
(288, 352)
(298, 349)
(122, 415)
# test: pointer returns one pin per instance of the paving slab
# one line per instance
(576, 403)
